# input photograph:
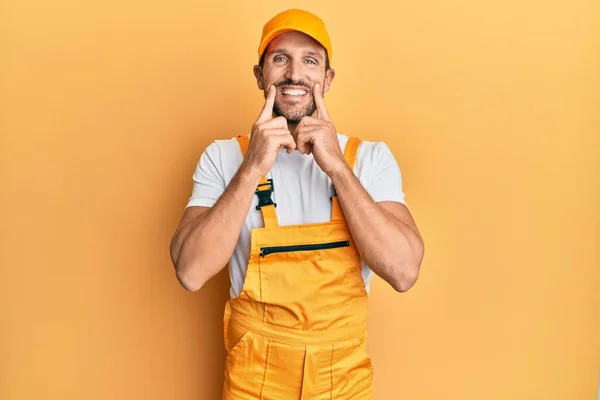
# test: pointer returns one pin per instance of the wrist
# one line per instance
(250, 173)
(340, 172)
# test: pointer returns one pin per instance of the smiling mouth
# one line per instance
(293, 92)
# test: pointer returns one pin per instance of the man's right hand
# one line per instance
(269, 136)
(206, 237)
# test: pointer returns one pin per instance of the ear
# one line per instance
(259, 77)
(329, 75)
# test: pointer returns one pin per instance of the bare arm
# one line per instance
(385, 233)
(206, 237)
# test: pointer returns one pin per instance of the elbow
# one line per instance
(186, 274)
(408, 271)
(403, 283)
(193, 271)
(188, 280)
(406, 277)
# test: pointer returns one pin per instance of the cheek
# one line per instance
(272, 75)
(317, 77)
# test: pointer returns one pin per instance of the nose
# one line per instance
(294, 71)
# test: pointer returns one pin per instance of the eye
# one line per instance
(279, 59)
(310, 61)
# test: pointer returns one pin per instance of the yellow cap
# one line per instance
(295, 20)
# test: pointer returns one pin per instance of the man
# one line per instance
(301, 253)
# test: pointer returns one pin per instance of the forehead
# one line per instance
(295, 41)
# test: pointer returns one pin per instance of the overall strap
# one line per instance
(350, 153)
(264, 191)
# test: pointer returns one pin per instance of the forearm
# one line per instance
(205, 244)
(390, 247)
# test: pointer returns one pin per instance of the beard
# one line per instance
(295, 112)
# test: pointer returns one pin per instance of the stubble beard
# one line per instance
(294, 114)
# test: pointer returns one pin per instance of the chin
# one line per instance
(294, 117)
(293, 114)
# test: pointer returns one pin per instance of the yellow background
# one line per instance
(491, 108)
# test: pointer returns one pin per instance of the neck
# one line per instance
(292, 128)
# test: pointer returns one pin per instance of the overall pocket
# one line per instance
(265, 251)
(237, 359)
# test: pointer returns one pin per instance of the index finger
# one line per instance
(267, 111)
(318, 95)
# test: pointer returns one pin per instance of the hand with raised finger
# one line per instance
(317, 135)
(269, 135)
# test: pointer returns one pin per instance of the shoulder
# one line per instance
(369, 152)
(226, 147)
(221, 157)
(223, 150)
(378, 171)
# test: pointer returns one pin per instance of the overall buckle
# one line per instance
(264, 196)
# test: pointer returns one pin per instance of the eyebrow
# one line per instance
(284, 51)
(315, 54)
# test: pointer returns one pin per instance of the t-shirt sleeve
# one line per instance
(209, 182)
(384, 177)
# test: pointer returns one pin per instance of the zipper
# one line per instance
(265, 251)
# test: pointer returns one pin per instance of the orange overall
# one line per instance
(298, 328)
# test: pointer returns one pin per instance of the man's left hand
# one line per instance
(317, 135)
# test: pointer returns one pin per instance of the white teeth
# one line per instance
(293, 92)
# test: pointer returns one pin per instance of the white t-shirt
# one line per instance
(302, 190)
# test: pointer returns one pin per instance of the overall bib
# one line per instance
(298, 328)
